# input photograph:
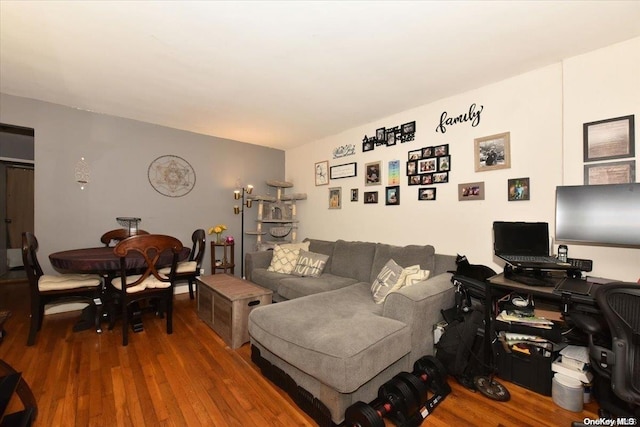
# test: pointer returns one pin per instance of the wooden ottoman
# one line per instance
(224, 303)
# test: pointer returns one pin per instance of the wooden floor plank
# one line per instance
(191, 378)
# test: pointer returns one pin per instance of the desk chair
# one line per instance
(117, 235)
(190, 269)
(151, 284)
(46, 289)
(615, 358)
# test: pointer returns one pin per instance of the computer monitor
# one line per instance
(599, 214)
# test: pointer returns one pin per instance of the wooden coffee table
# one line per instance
(224, 303)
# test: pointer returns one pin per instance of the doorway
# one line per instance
(16, 196)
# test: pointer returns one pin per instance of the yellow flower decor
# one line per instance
(218, 230)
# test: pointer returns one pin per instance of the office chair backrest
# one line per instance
(620, 306)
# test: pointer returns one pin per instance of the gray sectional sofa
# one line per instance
(327, 343)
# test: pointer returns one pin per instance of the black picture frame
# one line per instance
(408, 128)
(412, 168)
(370, 197)
(392, 195)
(518, 189)
(609, 139)
(441, 178)
(415, 154)
(415, 180)
(441, 150)
(345, 170)
(381, 134)
(391, 137)
(367, 146)
(427, 193)
(444, 163)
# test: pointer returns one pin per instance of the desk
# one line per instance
(534, 371)
(545, 295)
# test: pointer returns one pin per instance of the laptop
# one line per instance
(525, 245)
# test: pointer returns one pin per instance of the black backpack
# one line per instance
(460, 349)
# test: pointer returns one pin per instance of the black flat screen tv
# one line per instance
(599, 214)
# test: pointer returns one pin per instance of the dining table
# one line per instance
(104, 262)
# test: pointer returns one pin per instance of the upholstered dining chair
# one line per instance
(117, 235)
(190, 269)
(150, 284)
(46, 289)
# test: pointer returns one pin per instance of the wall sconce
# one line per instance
(239, 209)
(82, 173)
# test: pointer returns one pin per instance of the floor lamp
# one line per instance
(240, 195)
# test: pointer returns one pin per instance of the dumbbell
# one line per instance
(399, 399)
(404, 397)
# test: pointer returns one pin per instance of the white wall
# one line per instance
(531, 108)
(119, 152)
(600, 85)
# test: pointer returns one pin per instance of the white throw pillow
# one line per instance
(387, 279)
(285, 257)
(413, 277)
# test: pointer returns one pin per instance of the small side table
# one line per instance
(227, 262)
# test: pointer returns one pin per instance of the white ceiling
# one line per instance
(282, 74)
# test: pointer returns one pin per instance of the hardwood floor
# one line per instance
(190, 378)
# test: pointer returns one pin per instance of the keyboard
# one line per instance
(529, 258)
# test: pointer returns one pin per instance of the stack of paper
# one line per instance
(574, 362)
(533, 321)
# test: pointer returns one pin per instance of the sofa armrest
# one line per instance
(253, 260)
(419, 307)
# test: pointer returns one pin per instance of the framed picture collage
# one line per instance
(429, 165)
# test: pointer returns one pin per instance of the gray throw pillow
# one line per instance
(310, 264)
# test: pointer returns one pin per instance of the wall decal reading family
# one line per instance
(472, 116)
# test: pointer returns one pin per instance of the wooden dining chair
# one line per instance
(190, 269)
(150, 284)
(46, 289)
(112, 237)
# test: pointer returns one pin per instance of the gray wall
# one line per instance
(118, 152)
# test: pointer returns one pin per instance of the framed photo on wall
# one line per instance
(370, 197)
(346, 170)
(392, 195)
(372, 173)
(322, 173)
(354, 194)
(335, 198)
(610, 173)
(609, 139)
(492, 152)
(471, 191)
(427, 193)
(518, 189)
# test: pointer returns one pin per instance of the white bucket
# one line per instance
(567, 392)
